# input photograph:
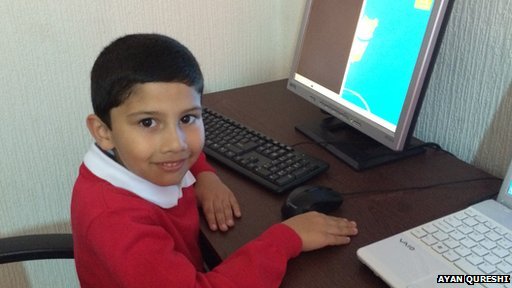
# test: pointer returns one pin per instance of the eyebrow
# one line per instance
(156, 113)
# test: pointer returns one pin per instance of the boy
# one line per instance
(134, 206)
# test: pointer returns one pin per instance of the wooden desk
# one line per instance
(384, 200)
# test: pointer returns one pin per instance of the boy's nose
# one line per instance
(174, 141)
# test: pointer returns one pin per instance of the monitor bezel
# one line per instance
(395, 140)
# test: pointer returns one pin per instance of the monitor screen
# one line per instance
(365, 62)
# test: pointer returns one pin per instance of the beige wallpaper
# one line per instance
(46, 52)
(467, 109)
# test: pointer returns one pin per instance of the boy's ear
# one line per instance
(100, 132)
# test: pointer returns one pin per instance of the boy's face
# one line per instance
(157, 133)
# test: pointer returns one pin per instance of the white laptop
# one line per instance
(452, 250)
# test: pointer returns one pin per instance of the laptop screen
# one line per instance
(505, 195)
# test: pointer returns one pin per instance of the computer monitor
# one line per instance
(366, 63)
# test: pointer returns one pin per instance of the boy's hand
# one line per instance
(218, 202)
(319, 230)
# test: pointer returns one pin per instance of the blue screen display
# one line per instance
(383, 56)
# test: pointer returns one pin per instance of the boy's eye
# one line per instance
(188, 119)
(147, 123)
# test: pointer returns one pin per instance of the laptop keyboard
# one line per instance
(471, 241)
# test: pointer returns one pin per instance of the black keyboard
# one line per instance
(274, 165)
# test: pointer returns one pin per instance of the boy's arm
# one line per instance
(219, 204)
(143, 255)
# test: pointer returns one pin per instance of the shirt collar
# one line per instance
(109, 170)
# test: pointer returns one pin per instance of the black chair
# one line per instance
(36, 247)
(60, 246)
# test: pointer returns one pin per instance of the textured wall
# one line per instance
(468, 107)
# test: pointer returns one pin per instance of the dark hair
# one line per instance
(139, 58)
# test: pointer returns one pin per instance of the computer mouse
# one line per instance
(311, 198)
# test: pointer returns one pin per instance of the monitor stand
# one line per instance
(353, 147)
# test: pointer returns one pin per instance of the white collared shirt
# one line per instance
(109, 170)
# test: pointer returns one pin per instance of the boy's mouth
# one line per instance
(172, 165)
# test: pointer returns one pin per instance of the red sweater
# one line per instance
(122, 240)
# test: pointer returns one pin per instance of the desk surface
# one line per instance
(383, 200)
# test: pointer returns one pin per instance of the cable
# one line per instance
(431, 145)
(436, 147)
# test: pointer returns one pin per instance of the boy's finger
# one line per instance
(220, 217)
(228, 214)
(341, 227)
(212, 222)
(340, 240)
(235, 207)
(210, 217)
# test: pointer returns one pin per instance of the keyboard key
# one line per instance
(285, 179)
(493, 236)
(470, 222)
(481, 228)
(439, 248)
(475, 236)
(492, 259)
(440, 235)
(488, 244)
(504, 267)
(500, 252)
(465, 229)
(444, 227)
(467, 267)
(480, 219)
(470, 212)
(457, 235)
(480, 250)
(475, 259)
(487, 268)
(462, 251)
(468, 243)
(418, 232)
(429, 240)
(500, 231)
(451, 243)
(453, 221)
(429, 228)
(505, 243)
(461, 215)
(451, 256)
(490, 224)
